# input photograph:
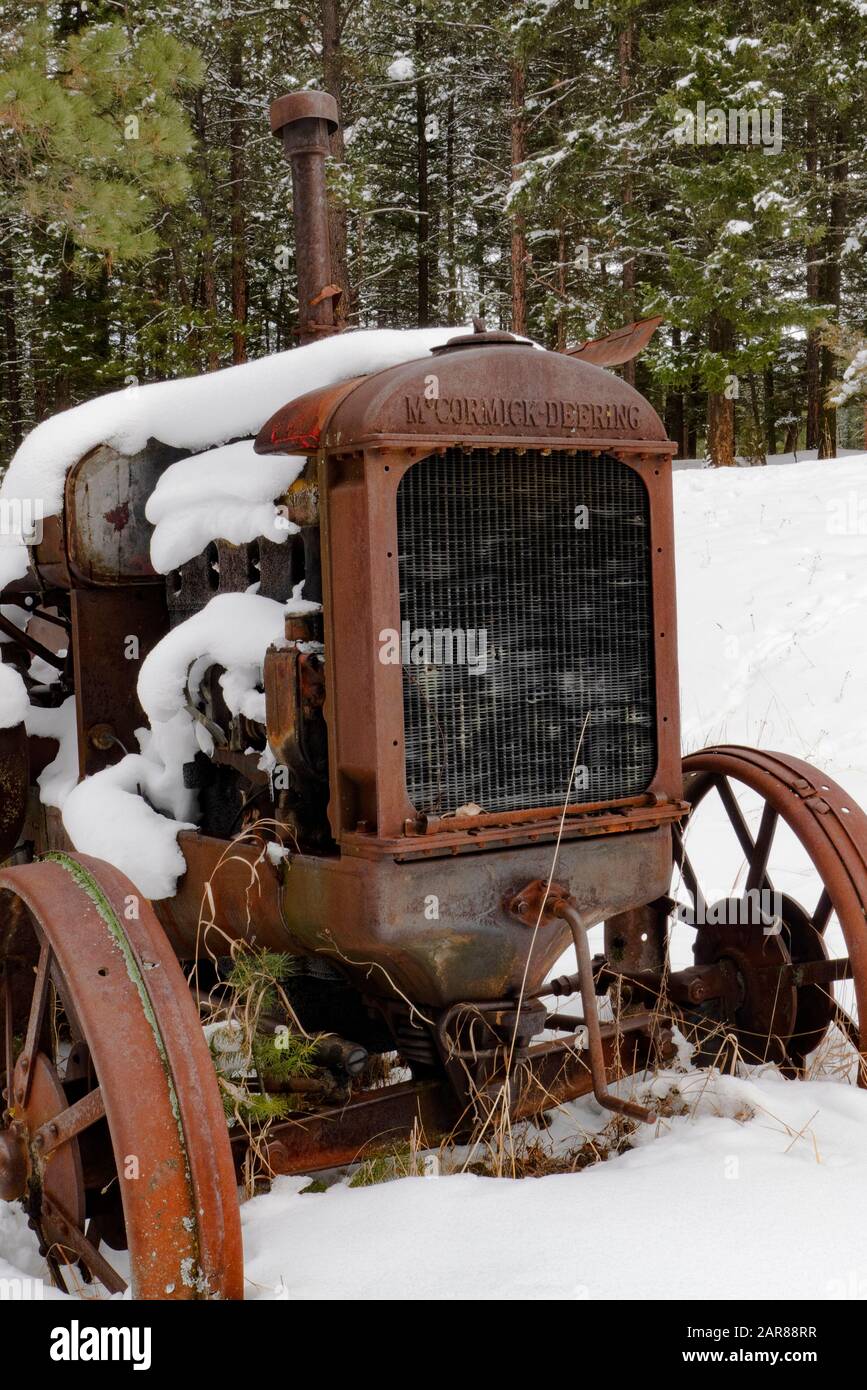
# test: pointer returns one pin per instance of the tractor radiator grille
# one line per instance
(492, 550)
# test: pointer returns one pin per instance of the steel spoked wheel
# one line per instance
(771, 883)
(113, 1134)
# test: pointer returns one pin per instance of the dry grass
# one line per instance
(834, 1059)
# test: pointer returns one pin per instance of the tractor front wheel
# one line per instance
(764, 913)
(113, 1134)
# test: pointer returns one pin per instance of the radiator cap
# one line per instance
(477, 340)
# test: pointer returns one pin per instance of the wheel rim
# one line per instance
(114, 1109)
(778, 1001)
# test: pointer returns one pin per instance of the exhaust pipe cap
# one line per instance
(300, 106)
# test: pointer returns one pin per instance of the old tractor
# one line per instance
(479, 735)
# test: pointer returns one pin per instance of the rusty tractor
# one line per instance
(445, 829)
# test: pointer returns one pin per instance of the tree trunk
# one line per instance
(208, 276)
(423, 193)
(720, 431)
(65, 311)
(692, 411)
(560, 339)
(813, 254)
(757, 452)
(674, 403)
(11, 357)
(720, 410)
(692, 403)
(452, 315)
(332, 81)
(238, 228)
(519, 240)
(793, 430)
(839, 178)
(624, 54)
(770, 410)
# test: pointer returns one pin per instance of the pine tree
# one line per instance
(512, 160)
(94, 158)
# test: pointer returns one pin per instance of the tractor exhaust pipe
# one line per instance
(304, 121)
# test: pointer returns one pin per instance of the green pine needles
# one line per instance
(256, 1064)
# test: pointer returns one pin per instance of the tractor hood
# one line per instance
(481, 389)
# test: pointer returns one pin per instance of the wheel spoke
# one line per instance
(688, 874)
(34, 1023)
(756, 852)
(94, 1234)
(74, 1239)
(736, 816)
(821, 972)
(56, 1272)
(70, 1122)
(822, 914)
(757, 876)
(846, 1023)
(68, 1004)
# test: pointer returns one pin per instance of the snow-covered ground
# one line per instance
(757, 1190)
(716, 1205)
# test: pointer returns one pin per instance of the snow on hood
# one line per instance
(225, 494)
(195, 412)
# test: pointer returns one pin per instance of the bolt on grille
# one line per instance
(518, 621)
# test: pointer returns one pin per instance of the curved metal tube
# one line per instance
(591, 1022)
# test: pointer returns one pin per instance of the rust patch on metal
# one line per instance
(617, 347)
(534, 905)
(118, 517)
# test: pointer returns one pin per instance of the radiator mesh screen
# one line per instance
(488, 545)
